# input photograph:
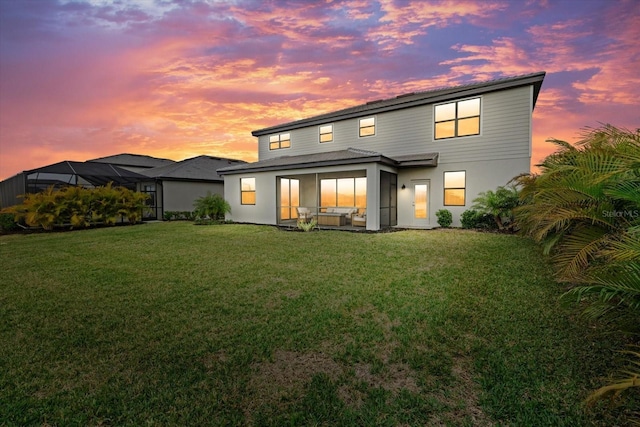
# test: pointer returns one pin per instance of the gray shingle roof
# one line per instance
(332, 158)
(200, 168)
(138, 160)
(413, 99)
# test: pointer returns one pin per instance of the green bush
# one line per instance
(472, 218)
(7, 222)
(444, 218)
(211, 206)
(499, 204)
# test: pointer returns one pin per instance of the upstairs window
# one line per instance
(248, 191)
(277, 142)
(454, 188)
(367, 126)
(460, 118)
(326, 133)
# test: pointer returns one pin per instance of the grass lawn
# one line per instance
(176, 324)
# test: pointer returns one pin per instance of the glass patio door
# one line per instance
(421, 204)
(289, 198)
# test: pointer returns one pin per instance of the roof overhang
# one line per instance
(335, 158)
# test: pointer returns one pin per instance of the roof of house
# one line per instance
(137, 160)
(414, 99)
(95, 173)
(332, 158)
(201, 168)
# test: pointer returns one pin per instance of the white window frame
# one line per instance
(279, 141)
(320, 133)
(455, 120)
(445, 188)
(360, 127)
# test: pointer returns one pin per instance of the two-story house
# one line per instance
(393, 162)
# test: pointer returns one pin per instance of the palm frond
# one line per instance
(627, 379)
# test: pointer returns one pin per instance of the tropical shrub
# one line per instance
(78, 207)
(74, 205)
(307, 226)
(444, 218)
(499, 205)
(212, 206)
(38, 209)
(584, 208)
(472, 218)
(131, 204)
(105, 206)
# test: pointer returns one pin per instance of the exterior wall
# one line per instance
(505, 132)
(480, 176)
(11, 188)
(180, 195)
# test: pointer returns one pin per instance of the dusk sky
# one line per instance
(176, 79)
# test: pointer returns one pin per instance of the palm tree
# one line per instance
(584, 199)
(584, 207)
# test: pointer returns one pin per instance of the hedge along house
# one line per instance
(175, 187)
(387, 163)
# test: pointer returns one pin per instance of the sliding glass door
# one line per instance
(289, 198)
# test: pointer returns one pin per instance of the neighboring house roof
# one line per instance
(332, 158)
(412, 100)
(137, 160)
(95, 173)
(201, 168)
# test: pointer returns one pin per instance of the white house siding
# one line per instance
(505, 132)
(480, 176)
(180, 195)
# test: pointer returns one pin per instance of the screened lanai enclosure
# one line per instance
(336, 199)
(67, 173)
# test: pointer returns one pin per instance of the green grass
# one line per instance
(176, 324)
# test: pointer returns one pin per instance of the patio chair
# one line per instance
(304, 214)
(359, 219)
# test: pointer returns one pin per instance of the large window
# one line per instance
(343, 192)
(367, 126)
(248, 191)
(277, 142)
(289, 198)
(460, 118)
(326, 133)
(454, 188)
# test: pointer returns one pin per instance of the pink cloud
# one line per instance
(178, 80)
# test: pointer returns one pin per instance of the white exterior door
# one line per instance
(420, 203)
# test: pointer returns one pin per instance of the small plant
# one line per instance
(472, 218)
(7, 222)
(211, 206)
(444, 218)
(499, 204)
(186, 215)
(306, 226)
